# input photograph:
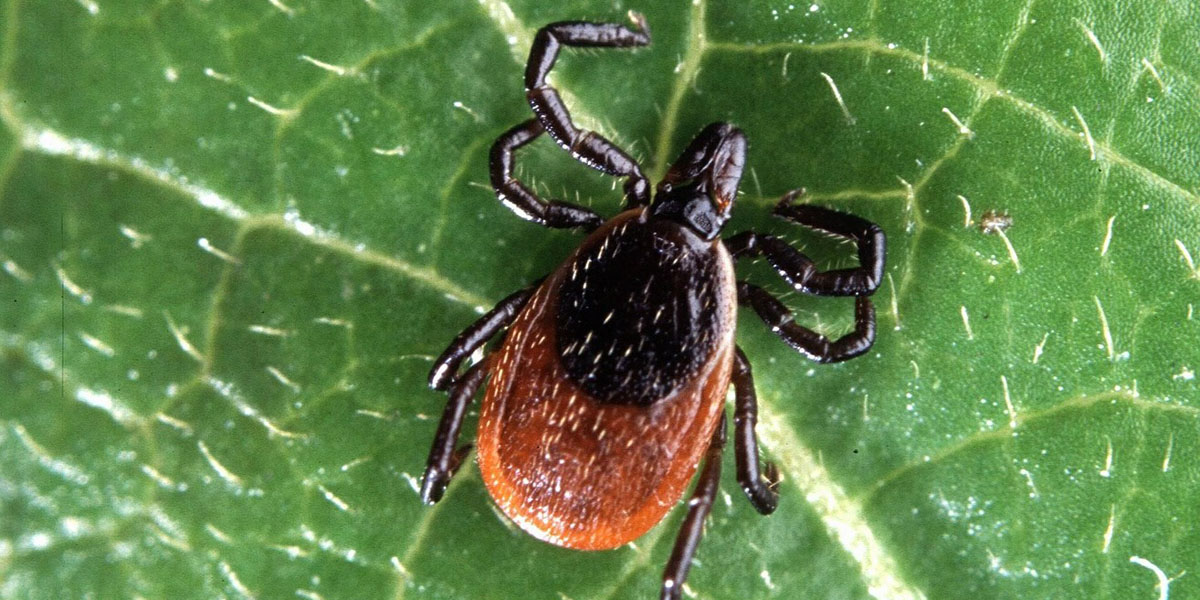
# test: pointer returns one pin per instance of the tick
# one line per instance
(608, 388)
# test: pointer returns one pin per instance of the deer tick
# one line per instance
(608, 389)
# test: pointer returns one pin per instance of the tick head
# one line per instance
(700, 187)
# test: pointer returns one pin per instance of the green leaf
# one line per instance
(234, 234)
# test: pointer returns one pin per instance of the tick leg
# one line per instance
(804, 340)
(699, 506)
(444, 458)
(521, 199)
(475, 335)
(798, 270)
(761, 487)
(588, 147)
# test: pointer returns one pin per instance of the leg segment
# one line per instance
(806, 341)
(588, 147)
(475, 335)
(699, 506)
(798, 270)
(444, 458)
(761, 487)
(521, 199)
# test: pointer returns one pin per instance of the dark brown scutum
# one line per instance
(637, 312)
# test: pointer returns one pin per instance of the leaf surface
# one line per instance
(234, 235)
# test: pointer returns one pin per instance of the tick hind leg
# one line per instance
(445, 457)
(699, 506)
(588, 147)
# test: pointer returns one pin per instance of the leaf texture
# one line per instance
(234, 235)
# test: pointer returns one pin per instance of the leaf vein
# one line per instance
(1020, 419)
(696, 49)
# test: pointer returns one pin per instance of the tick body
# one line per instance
(607, 392)
(610, 383)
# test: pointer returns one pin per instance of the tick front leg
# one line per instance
(444, 458)
(798, 270)
(760, 487)
(588, 147)
(804, 340)
(699, 506)
(520, 199)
